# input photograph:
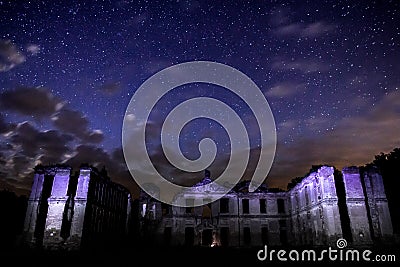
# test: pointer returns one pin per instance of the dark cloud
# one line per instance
(110, 88)
(10, 56)
(118, 155)
(88, 154)
(71, 121)
(2, 161)
(113, 162)
(98, 157)
(75, 123)
(16, 173)
(20, 165)
(49, 145)
(4, 127)
(25, 137)
(26, 147)
(53, 146)
(31, 101)
(95, 137)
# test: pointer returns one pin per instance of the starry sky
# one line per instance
(330, 71)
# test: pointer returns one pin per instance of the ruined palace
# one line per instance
(87, 209)
(324, 206)
(71, 211)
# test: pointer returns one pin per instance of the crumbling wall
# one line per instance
(378, 215)
(57, 202)
(324, 206)
(356, 206)
(64, 210)
(33, 207)
(314, 211)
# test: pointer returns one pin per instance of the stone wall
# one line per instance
(315, 214)
(67, 212)
(324, 206)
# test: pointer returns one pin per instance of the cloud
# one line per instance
(95, 136)
(20, 165)
(285, 89)
(304, 66)
(316, 29)
(315, 123)
(114, 163)
(4, 126)
(25, 137)
(110, 88)
(23, 145)
(355, 141)
(71, 121)
(53, 146)
(75, 123)
(286, 127)
(279, 16)
(26, 147)
(36, 102)
(10, 56)
(88, 154)
(304, 30)
(50, 146)
(33, 49)
(290, 29)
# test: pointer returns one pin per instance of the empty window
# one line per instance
(245, 206)
(246, 235)
(224, 205)
(307, 197)
(189, 236)
(167, 235)
(264, 235)
(224, 236)
(207, 237)
(166, 209)
(190, 204)
(281, 205)
(283, 237)
(152, 212)
(263, 205)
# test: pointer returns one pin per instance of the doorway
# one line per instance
(206, 237)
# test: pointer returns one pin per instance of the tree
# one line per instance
(388, 165)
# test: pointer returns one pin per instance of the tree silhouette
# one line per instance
(388, 165)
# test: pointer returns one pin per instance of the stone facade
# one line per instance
(73, 211)
(87, 209)
(324, 206)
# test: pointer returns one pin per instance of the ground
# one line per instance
(172, 256)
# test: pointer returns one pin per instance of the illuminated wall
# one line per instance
(71, 211)
(324, 206)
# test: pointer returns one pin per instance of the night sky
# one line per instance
(330, 71)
